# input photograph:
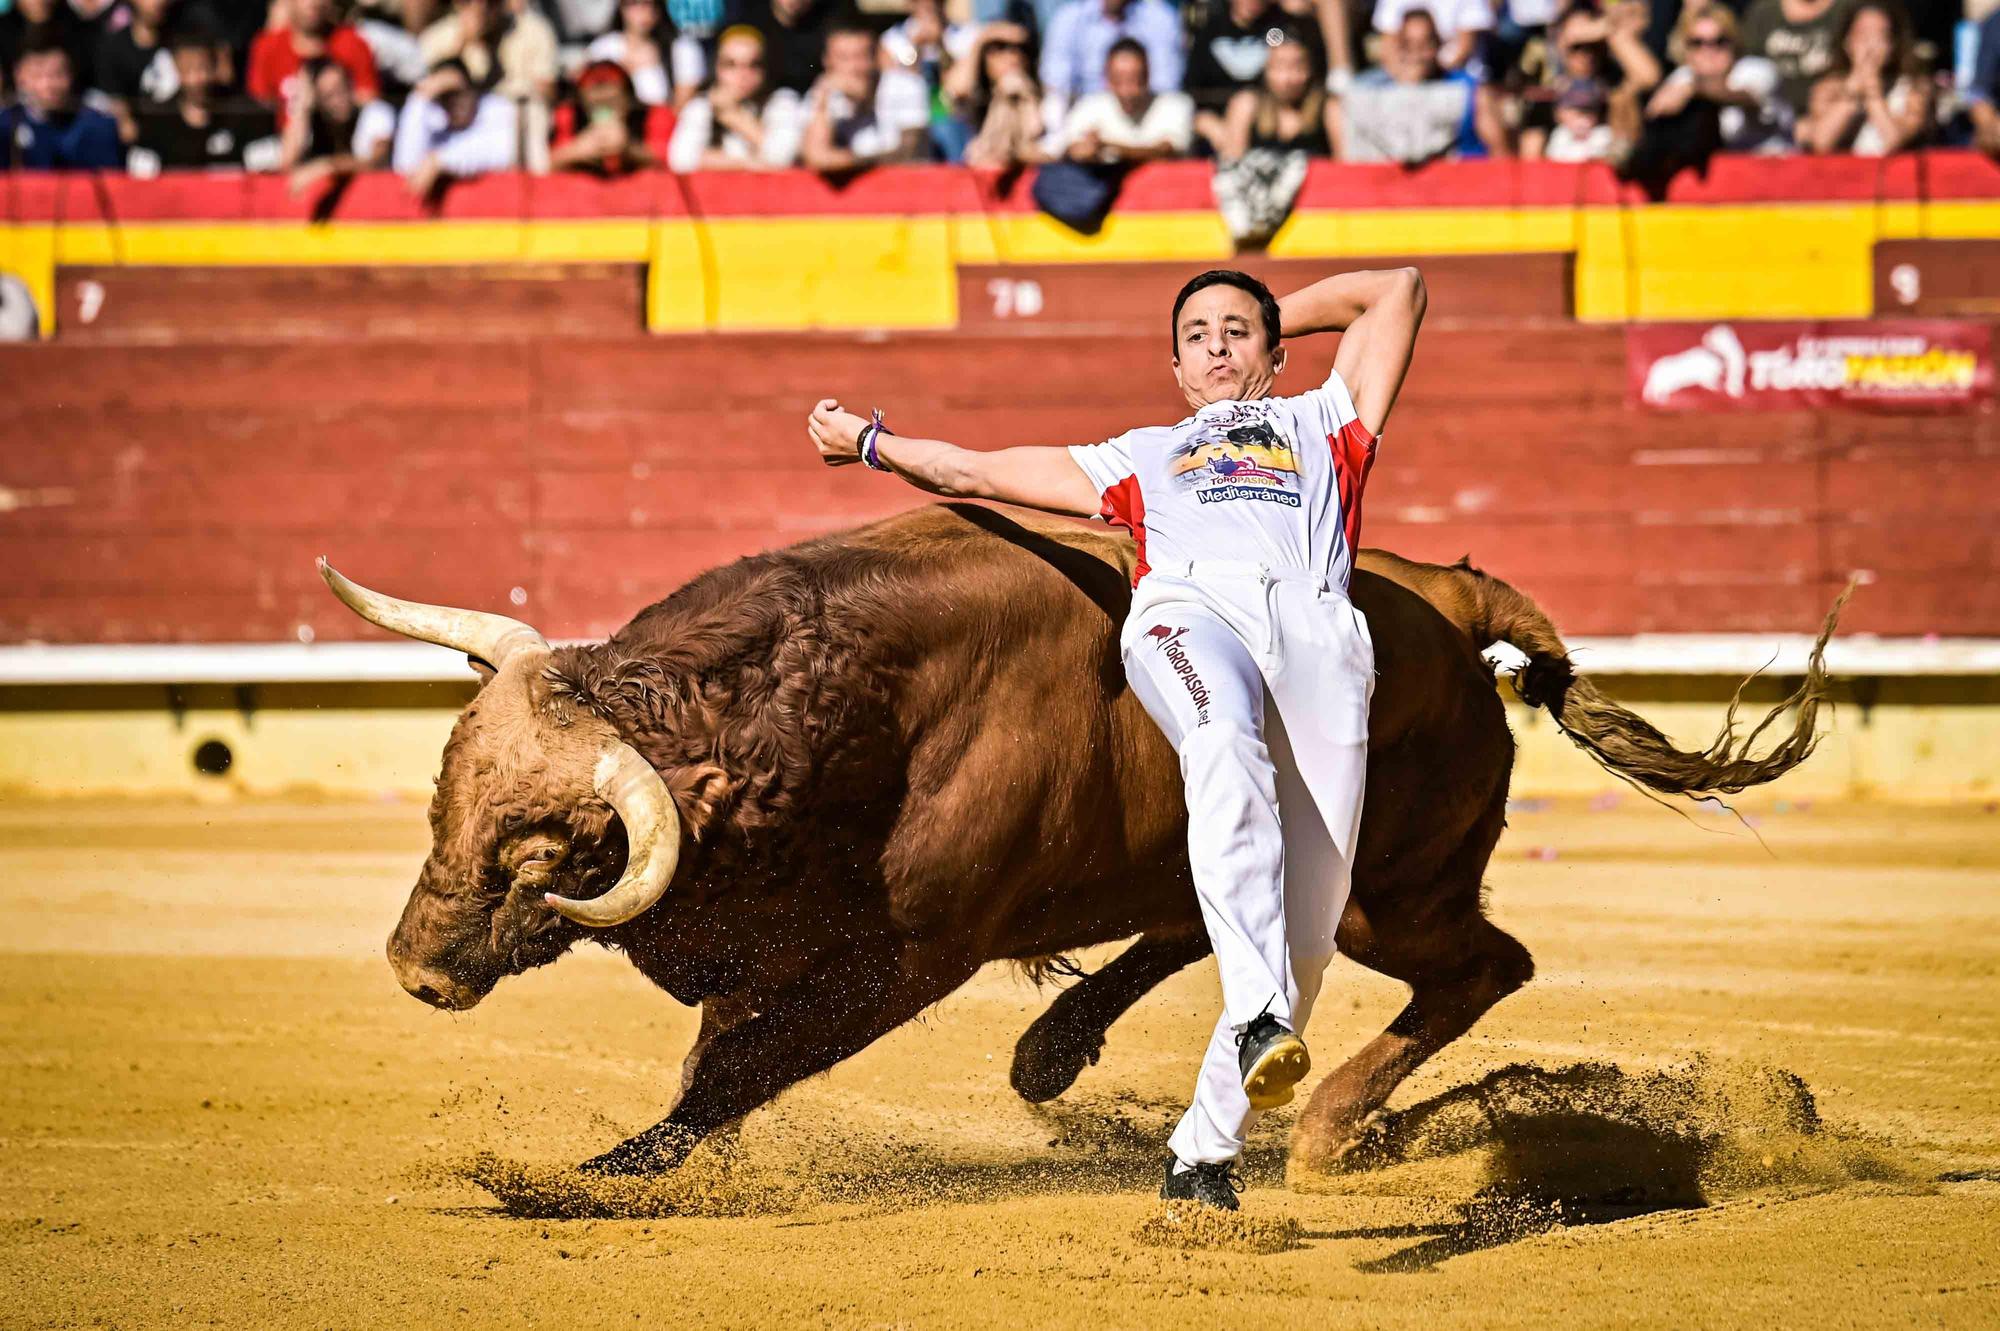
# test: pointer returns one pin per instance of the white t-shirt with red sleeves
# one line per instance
(1276, 481)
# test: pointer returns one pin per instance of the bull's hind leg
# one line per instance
(1051, 1052)
(1453, 987)
(1457, 963)
(837, 1010)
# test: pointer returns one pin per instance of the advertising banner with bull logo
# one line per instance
(1870, 365)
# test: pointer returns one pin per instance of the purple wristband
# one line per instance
(871, 435)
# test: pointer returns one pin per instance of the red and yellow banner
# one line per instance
(1879, 365)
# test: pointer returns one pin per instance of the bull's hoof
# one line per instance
(1048, 1060)
(1369, 1144)
(653, 1151)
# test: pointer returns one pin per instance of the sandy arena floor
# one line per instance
(217, 1108)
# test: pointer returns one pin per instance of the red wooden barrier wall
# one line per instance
(179, 493)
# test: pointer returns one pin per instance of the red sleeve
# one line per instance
(562, 124)
(660, 129)
(267, 58)
(351, 50)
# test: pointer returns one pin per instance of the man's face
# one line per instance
(850, 63)
(43, 80)
(313, 17)
(1125, 76)
(1220, 351)
(196, 67)
(460, 103)
(1417, 48)
(478, 14)
(334, 94)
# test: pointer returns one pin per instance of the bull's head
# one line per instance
(525, 806)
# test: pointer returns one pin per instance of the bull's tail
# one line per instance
(1626, 743)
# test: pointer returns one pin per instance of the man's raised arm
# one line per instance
(1047, 478)
(1380, 312)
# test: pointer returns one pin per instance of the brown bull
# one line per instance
(815, 790)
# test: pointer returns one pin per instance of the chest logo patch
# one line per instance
(1238, 456)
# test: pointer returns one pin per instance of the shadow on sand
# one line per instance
(1592, 1143)
(1518, 1153)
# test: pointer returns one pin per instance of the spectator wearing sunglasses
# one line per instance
(741, 123)
(1751, 114)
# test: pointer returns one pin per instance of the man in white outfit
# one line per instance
(1241, 641)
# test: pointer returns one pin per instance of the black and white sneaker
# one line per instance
(1210, 1185)
(1272, 1060)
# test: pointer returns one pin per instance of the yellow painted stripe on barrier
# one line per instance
(1365, 231)
(829, 272)
(29, 253)
(1709, 262)
(1954, 221)
(1037, 238)
(614, 240)
(677, 296)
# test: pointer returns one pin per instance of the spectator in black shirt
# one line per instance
(44, 23)
(198, 127)
(133, 66)
(1229, 42)
(330, 133)
(1227, 48)
(794, 33)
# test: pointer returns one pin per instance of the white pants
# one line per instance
(1261, 680)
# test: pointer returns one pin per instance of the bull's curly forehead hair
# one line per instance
(1267, 304)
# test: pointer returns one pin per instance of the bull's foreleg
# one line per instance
(717, 1015)
(835, 1011)
(1052, 1052)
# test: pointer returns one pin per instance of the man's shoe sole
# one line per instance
(1270, 1080)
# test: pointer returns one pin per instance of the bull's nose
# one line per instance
(428, 985)
(438, 990)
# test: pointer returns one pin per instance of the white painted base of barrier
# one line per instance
(1733, 655)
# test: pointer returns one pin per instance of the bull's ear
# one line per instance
(702, 793)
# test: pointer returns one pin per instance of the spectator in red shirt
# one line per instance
(314, 34)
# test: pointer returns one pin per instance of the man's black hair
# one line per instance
(45, 43)
(1267, 304)
(195, 29)
(1129, 46)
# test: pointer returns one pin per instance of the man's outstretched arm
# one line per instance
(1380, 313)
(1033, 477)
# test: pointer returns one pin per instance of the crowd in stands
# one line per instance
(446, 89)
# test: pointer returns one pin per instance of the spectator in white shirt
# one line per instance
(739, 124)
(861, 116)
(1127, 122)
(665, 66)
(449, 130)
(1458, 22)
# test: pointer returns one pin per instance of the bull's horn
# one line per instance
(491, 638)
(628, 783)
